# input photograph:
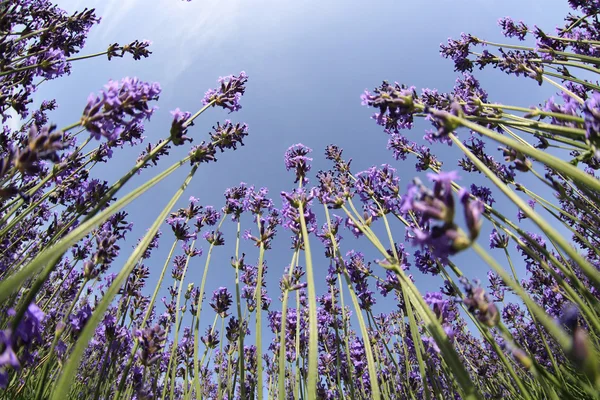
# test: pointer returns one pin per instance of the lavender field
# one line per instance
(252, 239)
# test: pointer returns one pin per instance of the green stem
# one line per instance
(375, 390)
(552, 162)
(68, 375)
(350, 366)
(150, 307)
(561, 337)
(570, 78)
(240, 316)
(534, 112)
(42, 382)
(431, 322)
(14, 282)
(313, 343)
(564, 89)
(589, 59)
(282, 334)
(177, 319)
(198, 312)
(87, 56)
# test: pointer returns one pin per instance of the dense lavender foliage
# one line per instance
(75, 324)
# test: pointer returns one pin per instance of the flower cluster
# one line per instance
(119, 107)
(83, 318)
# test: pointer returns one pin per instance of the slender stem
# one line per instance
(564, 89)
(42, 382)
(432, 324)
(589, 59)
(67, 377)
(178, 317)
(534, 112)
(561, 337)
(258, 315)
(375, 390)
(150, 308)
(198, 313)
(87, 56)
(570, 78)
(313, 343)
(585, 266)
(241, 331)
(282, 335)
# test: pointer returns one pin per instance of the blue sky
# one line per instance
(308, 63)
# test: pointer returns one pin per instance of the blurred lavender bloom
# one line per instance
(511, 28)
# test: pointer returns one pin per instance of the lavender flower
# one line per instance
(458, 51)
(151, 341)
(179, 127)
(234, 201)
(473, 210)
(478, 303)
(228, 135)
(591, 114)
(215, 238)
(204, 152)
(52, 63)
(497, 240)
(42, 145)
(446, 239)
(221, 301)
(296, 158)
(229, 93)
(379, 188)
(180, 228)
(119, 107)
(396, 104)
(483, 193)
(512, 29)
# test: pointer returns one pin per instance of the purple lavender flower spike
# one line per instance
(296, 158)
(221, 301)
(512, 29)
(119, 107)
(179, 127)
(473, 211)
(458, 51)
(52, 63)
(234, 201)
(395, 103)
(229, 93)
(497, 240)
(228, 135)
(478, 303)
(591, 114)
(438, 205)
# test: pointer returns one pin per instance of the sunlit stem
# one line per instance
(564, 89)
(552, 162)
(241, 331)
(313, 344)
(561, 337)
(177, 319)
(142, 326)
(45, 369)
(198, 312)
(434, 327)
(70, 369)
(282, 341)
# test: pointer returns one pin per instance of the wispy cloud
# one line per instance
(184, 32)
(182, 28)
